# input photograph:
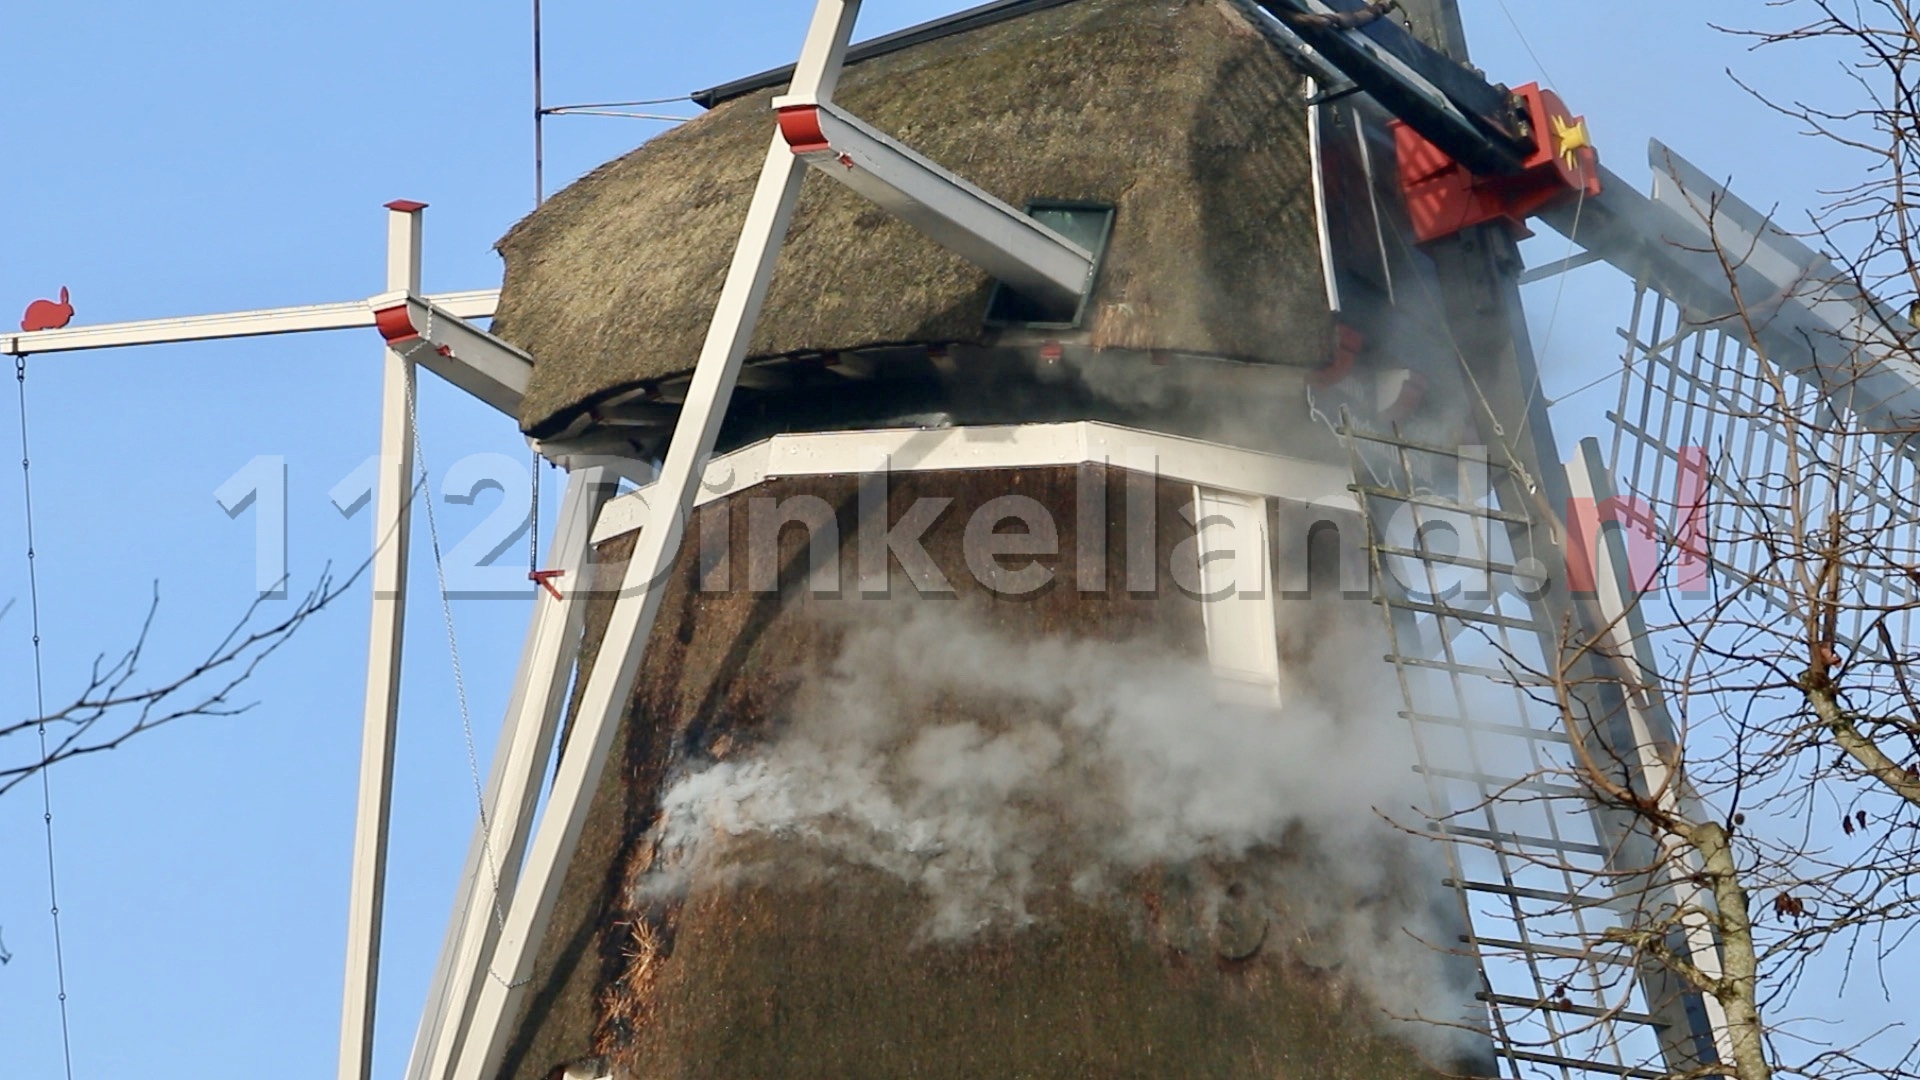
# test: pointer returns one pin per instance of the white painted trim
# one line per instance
(1236, 577)
(1082, 442)
(824, 51)
(1316, 135)
(346, 315)
(513, 788)
(393, 512)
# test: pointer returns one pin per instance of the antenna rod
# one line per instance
(539, 118)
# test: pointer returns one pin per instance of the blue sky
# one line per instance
(166, 159)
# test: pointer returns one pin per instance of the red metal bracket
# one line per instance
(1444, 197)
(544, 579)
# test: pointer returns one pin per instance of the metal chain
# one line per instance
(40, 707)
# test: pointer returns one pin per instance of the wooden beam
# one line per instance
(454, 349)
(345, 315)
(604, 697)
(393, 503)
(959, 216)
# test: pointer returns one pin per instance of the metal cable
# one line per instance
(533, 528)
(1553, 317)
(584, 110)
(453, 651)
(1546, 340)
(1525, 44)
(40, 708)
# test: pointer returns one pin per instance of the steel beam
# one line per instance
(1848, 341)
(519, 766)
(999, 239)
(461, 353)
(609, 688)
(1557, 267)
(390, 523)
(454, 349)
(346, 315)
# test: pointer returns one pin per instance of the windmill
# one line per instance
(1409, 172)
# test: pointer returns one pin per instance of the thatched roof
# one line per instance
(785, 960)
(1177, 112)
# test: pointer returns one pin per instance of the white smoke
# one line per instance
(981, 769)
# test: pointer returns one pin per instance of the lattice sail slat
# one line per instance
(1523, 850)
(1750, 462)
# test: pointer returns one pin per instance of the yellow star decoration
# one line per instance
(1571, 137)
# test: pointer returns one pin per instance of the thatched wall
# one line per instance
(783, 959)
(1175, 111)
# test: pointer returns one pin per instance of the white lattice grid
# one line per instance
(1527, 861)
(1777, 455)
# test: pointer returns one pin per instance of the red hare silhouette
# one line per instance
(47, 315)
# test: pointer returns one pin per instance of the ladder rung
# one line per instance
(1444, 611)
(1468, 561)
(1437, 503)
(1545, 843)
(1506, 678)
(1414, 444)
(1585, 1066)
(1551, 791)
(1596, 955)
(1571, 1009)
(1522, 893)
(1513, 730)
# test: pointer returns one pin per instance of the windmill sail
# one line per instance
(1540, 874)
(1744, 424)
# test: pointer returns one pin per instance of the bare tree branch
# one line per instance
(113, 708)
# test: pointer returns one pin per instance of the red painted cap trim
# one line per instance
(800, 125)
(406, 206)
(1444, 197)
(395, 324)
